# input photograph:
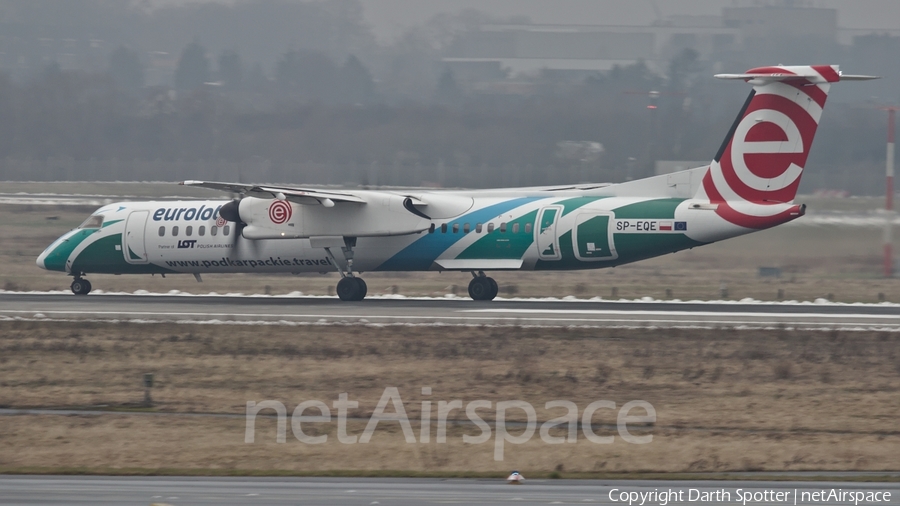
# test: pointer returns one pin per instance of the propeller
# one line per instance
(229, 212)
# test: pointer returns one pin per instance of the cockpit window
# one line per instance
(95, 221)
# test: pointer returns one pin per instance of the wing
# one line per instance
(305, 196)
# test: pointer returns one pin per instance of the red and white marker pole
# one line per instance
(889, 198)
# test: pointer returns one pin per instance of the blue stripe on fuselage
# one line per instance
(419, 255)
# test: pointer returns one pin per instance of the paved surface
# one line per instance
(31, 491)
(324, 310)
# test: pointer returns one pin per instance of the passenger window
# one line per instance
(456, 228)
(213, 230)
(515, 228)
(431, 229)
(478, 228)
(443, 228)
(503, 227)
(466, 228)
(201, 231)
(226, 230)
(162, 231)
(528, 228)
(188, 230)
(175, 231)
(490, 227)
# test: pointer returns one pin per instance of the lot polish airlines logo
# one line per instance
(762, 163)
(280, 212)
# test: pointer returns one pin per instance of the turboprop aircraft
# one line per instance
(750, 185)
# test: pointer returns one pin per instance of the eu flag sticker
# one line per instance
(681, 225)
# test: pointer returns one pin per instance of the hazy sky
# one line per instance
(389, 18)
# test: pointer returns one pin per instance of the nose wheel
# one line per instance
(482, 287)
(81, 286)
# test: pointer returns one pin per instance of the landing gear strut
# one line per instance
(349, 288)
(81, 286)
(482, 287)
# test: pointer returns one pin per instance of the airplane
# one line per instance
(750, 185)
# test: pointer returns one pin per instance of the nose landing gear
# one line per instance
(482, 287)
(81, 286)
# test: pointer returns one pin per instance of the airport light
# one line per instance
(889, 197)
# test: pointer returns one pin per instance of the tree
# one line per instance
(126, 69)
(256, 79)
(311, 74)
(231, 70)
(357, 82)
(448, 91)
(683, 68)
(193, 67)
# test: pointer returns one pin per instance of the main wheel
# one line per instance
(351, 289)
(494, 288)
(480, 288)
(363, 289)
(81, 287)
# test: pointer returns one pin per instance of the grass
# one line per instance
(723, 404)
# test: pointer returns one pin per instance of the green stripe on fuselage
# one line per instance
(102, 257)
(660, 209)
(629, 247)
(634, 247)
(507, 244)
(56, 259)
(572, 204)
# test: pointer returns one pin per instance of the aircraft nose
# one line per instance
(41, 258)
(54, 256)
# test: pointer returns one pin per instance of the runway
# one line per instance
(304, 310)
(59, 491)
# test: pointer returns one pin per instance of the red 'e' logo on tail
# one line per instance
(759, 170)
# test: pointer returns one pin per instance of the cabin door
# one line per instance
(134, 243)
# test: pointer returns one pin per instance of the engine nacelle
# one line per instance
(381, 215)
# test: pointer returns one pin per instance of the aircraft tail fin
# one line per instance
(755, 174)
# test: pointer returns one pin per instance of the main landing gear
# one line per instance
(81, 286)
(349, 288)
(482, 287)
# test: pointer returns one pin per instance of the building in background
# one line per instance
(484, 57)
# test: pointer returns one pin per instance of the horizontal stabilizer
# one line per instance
(848, 77)
(809, 73)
